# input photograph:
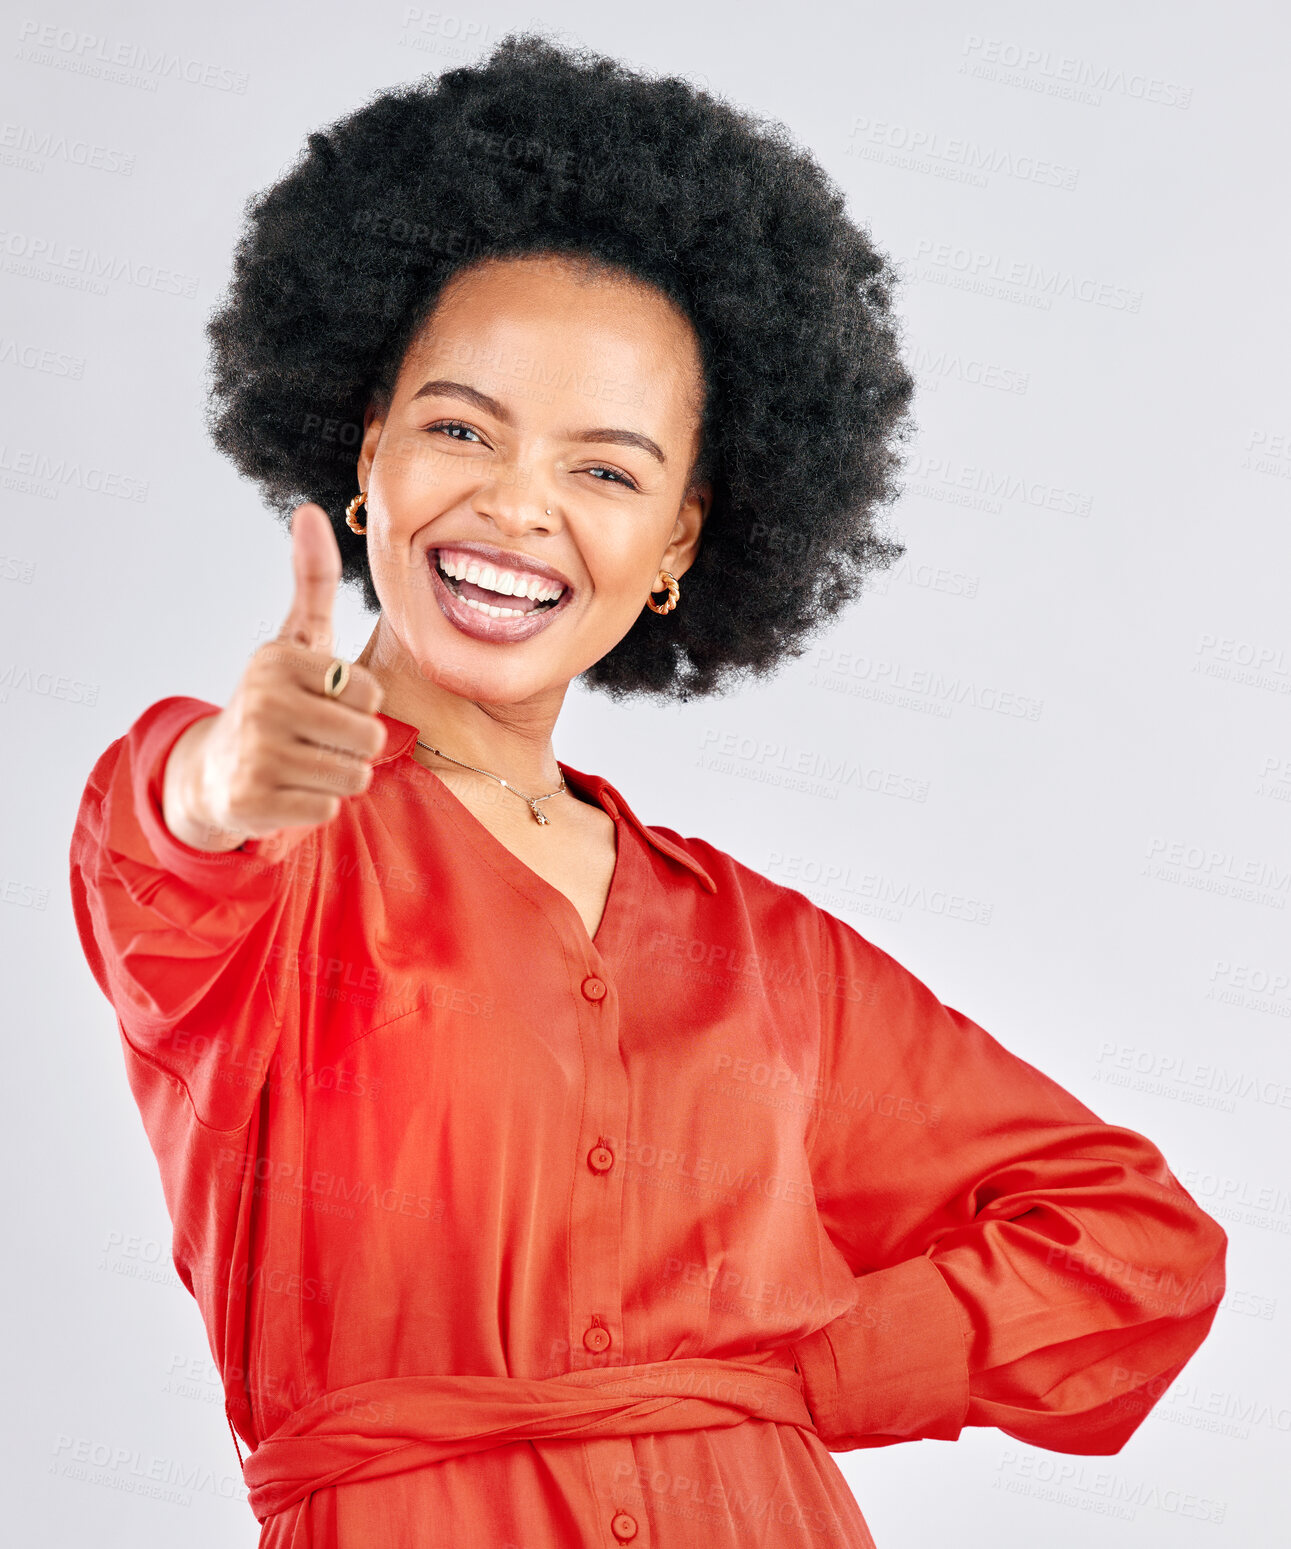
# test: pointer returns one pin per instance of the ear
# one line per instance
(683, 545)
(374, 418)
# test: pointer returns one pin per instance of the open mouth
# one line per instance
(492, 590)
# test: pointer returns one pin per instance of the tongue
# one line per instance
(494, 599)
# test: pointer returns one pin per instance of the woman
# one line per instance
(545, 1177)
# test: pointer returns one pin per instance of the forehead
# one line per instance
(563, 326)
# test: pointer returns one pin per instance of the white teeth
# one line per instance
(494, 613)
(505, 582)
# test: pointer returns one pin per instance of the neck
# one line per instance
(511, 740)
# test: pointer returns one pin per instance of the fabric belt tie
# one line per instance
(395, 1424)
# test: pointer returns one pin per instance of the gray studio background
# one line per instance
(1046, 763)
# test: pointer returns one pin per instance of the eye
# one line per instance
(452, 425)
(614, 474)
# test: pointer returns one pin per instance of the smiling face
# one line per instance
(528, 480)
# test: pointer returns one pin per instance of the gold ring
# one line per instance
(336, 677)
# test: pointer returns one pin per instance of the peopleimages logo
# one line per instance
(40, 257)
(1065, 75)
(136, 1472)
(128, 64)
(973, 268)
(927, 150)
(27, 148)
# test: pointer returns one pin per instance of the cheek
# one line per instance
(621, 565)
(412, 471)
(400, 451)
(400, 575)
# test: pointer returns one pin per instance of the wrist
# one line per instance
(183, 804)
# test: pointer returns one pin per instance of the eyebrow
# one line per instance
(472, 395)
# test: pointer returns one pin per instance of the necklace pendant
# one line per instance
(541, 816)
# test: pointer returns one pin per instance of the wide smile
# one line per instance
(493, 601)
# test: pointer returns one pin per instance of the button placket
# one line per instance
(596, 1333)
(595, 1249)
(619, 1512)
(597, 1194)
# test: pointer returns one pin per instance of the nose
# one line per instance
(516, 501)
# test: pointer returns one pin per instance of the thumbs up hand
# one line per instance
(282, 753)
(316, 563)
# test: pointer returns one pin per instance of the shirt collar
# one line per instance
(401, 737)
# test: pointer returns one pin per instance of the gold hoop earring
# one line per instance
(351, 512)
(674, 594)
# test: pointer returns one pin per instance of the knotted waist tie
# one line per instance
(394, 1424)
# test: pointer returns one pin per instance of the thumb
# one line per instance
(316, 561)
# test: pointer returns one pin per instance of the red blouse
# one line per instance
(507, 1235)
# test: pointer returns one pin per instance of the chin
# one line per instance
(482, 673)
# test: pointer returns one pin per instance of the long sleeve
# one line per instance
(1020, 1264)
(181, 941)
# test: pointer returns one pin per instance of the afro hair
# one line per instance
(542, 148)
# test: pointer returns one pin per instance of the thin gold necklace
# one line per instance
(533, 801)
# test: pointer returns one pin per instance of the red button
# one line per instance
(593, 987)
(598, 1339)
(623, 1526)
(600, 1159)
